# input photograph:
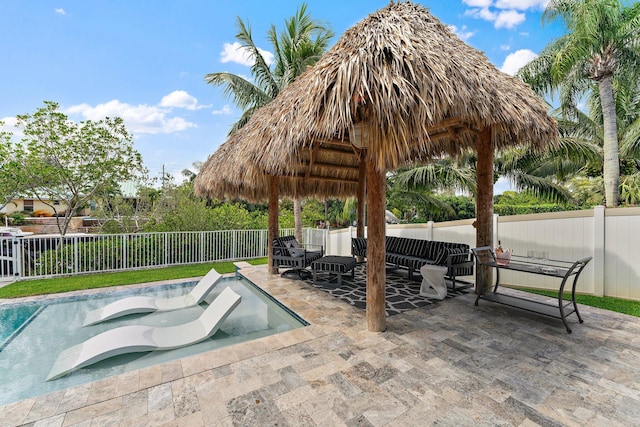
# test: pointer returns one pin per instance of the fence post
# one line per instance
(325, 240)
(429, 230)
(17, 257)
(125, 254)
(234, 246)
(76, 259)
(164, 248)
(599, 251)
(201, 246)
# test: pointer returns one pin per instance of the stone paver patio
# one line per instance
(447, 364)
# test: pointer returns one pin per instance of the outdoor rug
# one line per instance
(402, 294)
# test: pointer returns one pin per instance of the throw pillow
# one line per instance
(441, 259)
(294, 249)
(461, 255)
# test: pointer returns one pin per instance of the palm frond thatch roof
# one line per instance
(417, 88)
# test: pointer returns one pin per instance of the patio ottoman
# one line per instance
(338, 265)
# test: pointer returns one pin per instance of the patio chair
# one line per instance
(288, 253)
(137, 338)
(145, 304)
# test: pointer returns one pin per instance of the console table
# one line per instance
(553, 268)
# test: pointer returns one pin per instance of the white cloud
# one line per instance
(505, 47)
(501, 19)
(503, 13)
(516, 60)
(9, 121)
(181, 99)
(138, 118)
(477, 3)
(521, 4)
(509, 19)
(234, 52)
(487, 14)
(10, 125)
(60, 11)
(224, 110)
(463, 33)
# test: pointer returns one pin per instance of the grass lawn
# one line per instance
(612, 304)
(102, 280)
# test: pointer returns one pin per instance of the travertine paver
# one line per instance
(447, 364)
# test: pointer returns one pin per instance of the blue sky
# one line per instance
(145, 60)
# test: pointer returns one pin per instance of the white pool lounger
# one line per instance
(137, 338)
(141, 304)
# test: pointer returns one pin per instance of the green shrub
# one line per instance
(17, 218)
(505, 210)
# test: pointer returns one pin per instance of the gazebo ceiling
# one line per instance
(416, 88)
(328, 169)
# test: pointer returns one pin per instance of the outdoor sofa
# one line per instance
(288, 253)
(412, 254)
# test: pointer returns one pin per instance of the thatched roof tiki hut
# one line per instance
(397, 88)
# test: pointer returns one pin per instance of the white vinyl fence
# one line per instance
(610, 236)
(48, 255)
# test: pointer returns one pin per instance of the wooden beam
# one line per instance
(447, 123)
(332, 166)
(335, 141)
(484, 202)
(321, 178)
(376, 276)
(272, 233)
(347, 151)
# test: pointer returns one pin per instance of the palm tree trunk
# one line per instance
(611, 167)
(297, 217)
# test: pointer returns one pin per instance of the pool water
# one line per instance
(14, 319)
(34, 335)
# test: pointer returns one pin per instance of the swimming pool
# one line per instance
(35, 333)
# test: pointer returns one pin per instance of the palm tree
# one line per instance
(299, 45)
(545, 173)
(588, 128)
(419, 185)
(191, 174)
(601, 44)
(541, 174)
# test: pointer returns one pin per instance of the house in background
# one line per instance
(33, 206)
(37, 208)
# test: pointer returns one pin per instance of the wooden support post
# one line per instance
(272, 233)
(376, 277)
(362, 201)
(484, 203)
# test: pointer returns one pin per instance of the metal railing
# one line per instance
(49, 255)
